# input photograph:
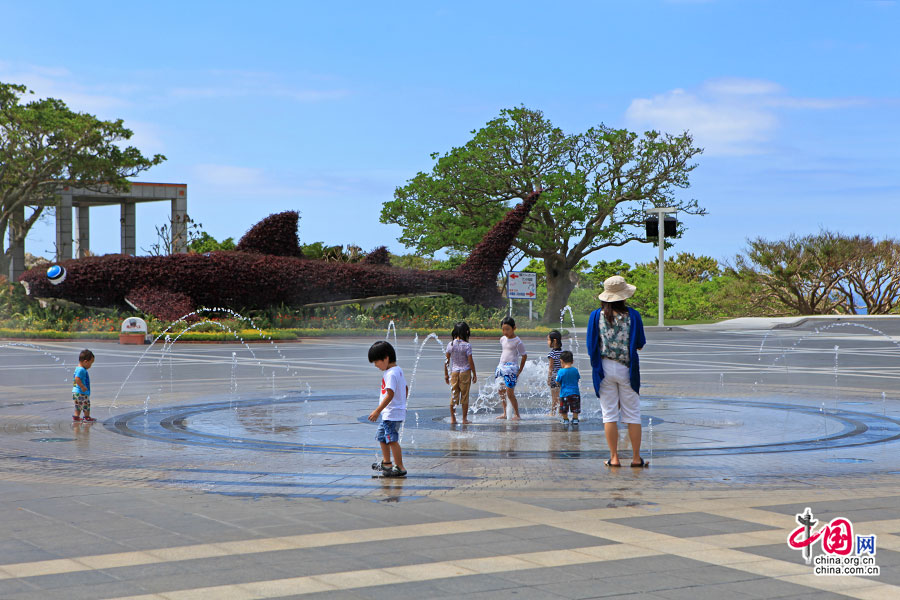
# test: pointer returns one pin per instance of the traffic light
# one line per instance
(669, 226)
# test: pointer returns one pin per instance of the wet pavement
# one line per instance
(213, 468)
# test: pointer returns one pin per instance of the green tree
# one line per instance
(802, 273)
(45, 145)
(596, 186)
(872, 275)
(204, 242)
(689, 267)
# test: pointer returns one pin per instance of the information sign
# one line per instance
(521, 285)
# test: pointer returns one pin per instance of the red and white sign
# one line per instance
(521, 285)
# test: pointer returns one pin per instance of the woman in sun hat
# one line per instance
(615, 333)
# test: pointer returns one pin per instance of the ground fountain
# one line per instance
(251, 399)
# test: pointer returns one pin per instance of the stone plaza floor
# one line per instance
(243, 471)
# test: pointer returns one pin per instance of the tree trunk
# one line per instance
(560, 284)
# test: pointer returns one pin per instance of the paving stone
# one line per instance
(150, 493)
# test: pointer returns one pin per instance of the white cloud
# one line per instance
(726, 116)
(317, 185)
(300, 95)
(741, 87)
(236, 84)
(58, 82)
(719, 127)
(148, 137)
(228, 175)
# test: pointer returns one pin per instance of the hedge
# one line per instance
(276, 235)
(252, 335)
(249, 335)
(408, 333)
(169, 287)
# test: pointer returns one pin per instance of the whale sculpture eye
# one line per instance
(56, 274)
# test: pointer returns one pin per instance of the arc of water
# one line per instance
(575, 348)
(185, 330)
(412, 381)
(153, 343)
(37, 348)
(181, 319)
(387, 335)
(763, 343)
(819, 330)
(836, 350)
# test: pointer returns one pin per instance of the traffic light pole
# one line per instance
(661, 213)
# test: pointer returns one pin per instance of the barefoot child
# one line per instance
(462, 371)
(554, 341)
(81, 388)
(392, 408)
(569, 394)
(512, 361)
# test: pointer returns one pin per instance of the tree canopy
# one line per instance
(597, 185)
(45, 145)
(824, 273)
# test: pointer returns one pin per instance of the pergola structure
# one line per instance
(83, 199)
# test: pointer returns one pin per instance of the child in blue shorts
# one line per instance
(569, 393)
(391, 407)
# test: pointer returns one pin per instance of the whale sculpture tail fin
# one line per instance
(276, 235)
(478, 275)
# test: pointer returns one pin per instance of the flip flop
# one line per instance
(640, 465)
(609, 464)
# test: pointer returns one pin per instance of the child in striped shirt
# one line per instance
(554, 341)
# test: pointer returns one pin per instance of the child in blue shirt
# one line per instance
(569, 394)
(81, 388)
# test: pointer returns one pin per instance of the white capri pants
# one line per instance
(617, 398)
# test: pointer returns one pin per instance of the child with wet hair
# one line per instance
(462, 371)
(569, 392)
(391, 407)
(554, 341)
(81, 387)
(512, 361)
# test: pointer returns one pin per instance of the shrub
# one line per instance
(378, 256)
(276, 235)
(171, 286)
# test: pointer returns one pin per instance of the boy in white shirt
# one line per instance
(392, 409)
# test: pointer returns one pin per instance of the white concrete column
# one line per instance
(64, 228)
(16, 243)
(127, 228)
(179, 225)
(82, 231)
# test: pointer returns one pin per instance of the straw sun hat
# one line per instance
(615, 289)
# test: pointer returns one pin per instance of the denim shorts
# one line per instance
(388, 432)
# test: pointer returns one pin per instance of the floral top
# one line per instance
(614, 338)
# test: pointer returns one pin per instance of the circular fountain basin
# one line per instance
(680, 427)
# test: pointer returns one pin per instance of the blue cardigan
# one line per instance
(636, 342)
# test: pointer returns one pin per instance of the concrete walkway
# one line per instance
(227, 472)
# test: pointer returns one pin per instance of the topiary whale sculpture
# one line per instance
(267, 268)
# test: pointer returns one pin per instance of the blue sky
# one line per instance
(270, 106)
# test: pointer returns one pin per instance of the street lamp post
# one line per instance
(660, 213)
